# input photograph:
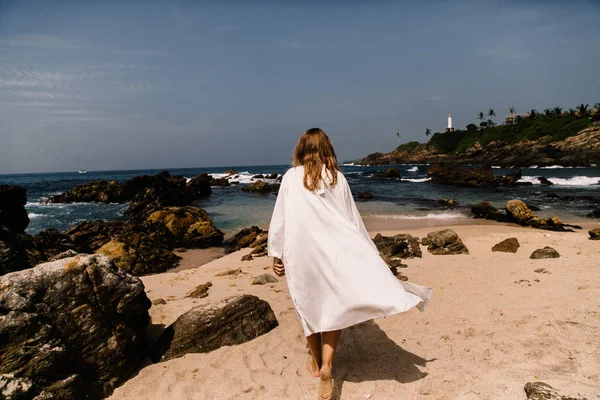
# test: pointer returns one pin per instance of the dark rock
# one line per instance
(247, 257)
(451, 174)
(190, 226)
(219, 182)
(12, 208)
(395, 248)
(264, 279)
(426, 241)
(89, 236)
(259, 176)
(543, 391)
(164, 192)
(446, 242)
(510, 245)
(70, 329)
(595, 234)
(546, 252)
(98, 191)
(16, 251)
(519, 213)
(201, 291)
(388, 173)
(50, 242)
(259, 251)
(401, 277)
(595, 214)
(159, 302)
(447, 202)
(206, 328)
(247, 237)
(260, 187)
(544, 181)
(364, 195)
(199, 187)
(231, 171)
(231, 272)
(272, 176)
(136, 184)
(533, 207)
(487, 211)
(141, 249)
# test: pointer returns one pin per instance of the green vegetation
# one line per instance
(553, 123)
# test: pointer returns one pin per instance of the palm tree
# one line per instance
(557, 111)
(582, 109)
(427, 133)
(533, 113)
(548, 112)
(490, 122)
(492, 113)
(511, 110)
(572, 112)
(481, 116)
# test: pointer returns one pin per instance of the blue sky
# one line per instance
(132, 84)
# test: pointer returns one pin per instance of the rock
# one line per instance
(201, 291)
(401, 277)
(167, 191)
(16, 251)
(447, 202)
(543, 391)
(190, 226)
(141, 249)
(159, 302)
(487, 211)
(264, 279)
(219, 182)
(100, 191)
(89, 236)
(519, 213)
(259, 176)
(388, 173)
(208, 327)
(247, 257)
(365, 195)
(544, 181)
(395, 248)
(50, 242)
(138, 183)
(71, 329)
(12, 208)
(64, 254)
(594, 234)
(231, 272)
(451, 174)
(231, 171)
(446, 242)
(510, 245)
(259, 251)
(199, 187)
(247, 237)
(260, 187)
(546, 252)
(594, 214)
(426, 241)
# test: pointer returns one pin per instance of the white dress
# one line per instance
(335, 275)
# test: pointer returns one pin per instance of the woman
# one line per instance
(335, 275)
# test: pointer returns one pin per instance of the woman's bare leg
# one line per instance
(330, 341)
(314, 346)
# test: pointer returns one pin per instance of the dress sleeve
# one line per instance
(352, 211)
(277, 225)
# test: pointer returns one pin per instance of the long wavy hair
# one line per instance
(314, 151)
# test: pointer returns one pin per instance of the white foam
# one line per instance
(443, 215)
(413, 169)
(416, 180)
(574, 181)
(349, 165)
(533, 167)
(244, 177)
(497, 166)
(34, 215)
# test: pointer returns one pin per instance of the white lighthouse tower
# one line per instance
(449, 128)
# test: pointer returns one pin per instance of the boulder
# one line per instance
(64, 254)
(594, 234)
(136, 184)
(519, 213)
(168, 191)
(70, 329)
(247, 237)
(89, 236)
(260, 187)
(16, 251)
(487, 211)
(364, 195)
(191, 227)
(50, 242)
(247, 257)
(510, 245)
(100, 191)
(388, 173)
(544, 181)
(395, 248)
(264, 279)
(208, 327)
(426, 241)
(141, 249)
(546, 252)
(231, 171)
(452, 174)
(447, 202)
(12, 208)
(219, 182)
(199, 187)
(446, 242)
(543, 391)
(201, 291)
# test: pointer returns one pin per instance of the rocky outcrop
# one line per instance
(200, 292)
(50, 242)
(546, 252)
(446, 242)
(168, 191)
(510, 245)
(199, 187)
(594, 234)
(16, 247)
(12, 208)
(219, 182)
(70, 329)
(518, 212)
(450, 174)
(89, 236)
(388, 173)
(261, 187)
(543, 391)
(191, 227)
(487, 211)
(208, 327)
(364, 195)
(247, 237)
(447, 202)
(544, 181)
(393, 249)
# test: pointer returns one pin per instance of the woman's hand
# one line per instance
(278, 267)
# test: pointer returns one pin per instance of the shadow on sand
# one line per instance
(366, 353)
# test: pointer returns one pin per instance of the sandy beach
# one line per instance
(496, 322)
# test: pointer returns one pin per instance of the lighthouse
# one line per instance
(449, 128)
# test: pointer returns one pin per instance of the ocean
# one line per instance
(575, 193)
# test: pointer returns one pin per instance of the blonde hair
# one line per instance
(314, 151)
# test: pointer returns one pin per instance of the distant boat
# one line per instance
(82, 171)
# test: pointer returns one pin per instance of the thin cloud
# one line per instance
(48, 42)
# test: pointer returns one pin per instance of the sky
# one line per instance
(131, 84)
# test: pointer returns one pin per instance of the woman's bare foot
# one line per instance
(313, 367)
(326, 384)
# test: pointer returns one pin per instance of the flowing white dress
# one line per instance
(335, 275)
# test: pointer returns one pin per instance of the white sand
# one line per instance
(482, 337)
